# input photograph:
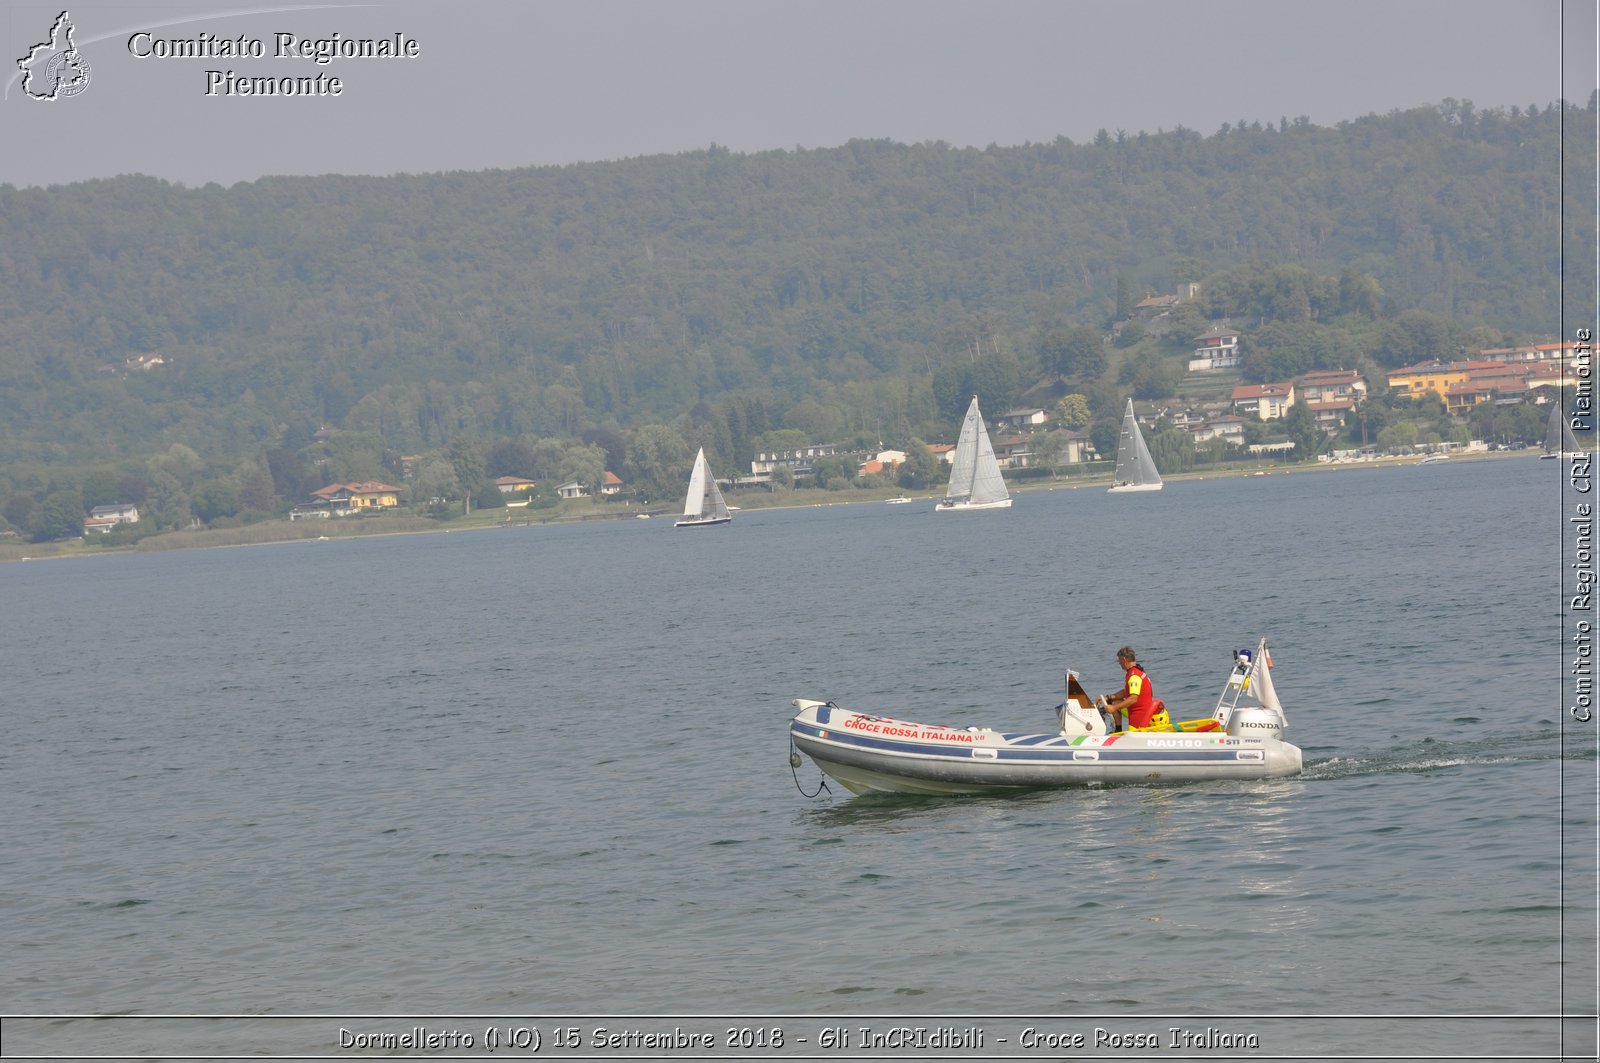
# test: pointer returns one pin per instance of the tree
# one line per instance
(1124, 298)
(1047, 448)
(59, 516)
(834, 472)
(256, 487)
(1416, 336)
(1401, 435)
(1155, 378)
(1359, 293)
(1073, 410)
(488, 495)
(215, 499)
(1184, 322)
(1071, 351)
(18, 509)
(291, 478)
(812, 418)
(659, 459)
(1308, 436)
(167, 508)
(100, 488)
(510, 458)
(780, 439)
(466, 459)
(1366, 420)
(1186, 268)
(614, 443)
(996, 380)
(171, 475)
(1172, 449)
(545, 459)
(435, 479)
(920, 469)
(1104, 434)
(352, 457)
(584, 465)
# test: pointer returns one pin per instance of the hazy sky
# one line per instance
(498, 83)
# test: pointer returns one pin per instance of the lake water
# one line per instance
(541, 774)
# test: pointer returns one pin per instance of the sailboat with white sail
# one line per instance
(975, 480)
(1136, 469)
(1559, 442)
(703, 507)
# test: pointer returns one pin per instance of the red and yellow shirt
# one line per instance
(1143, 707)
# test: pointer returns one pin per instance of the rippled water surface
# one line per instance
(543, 770)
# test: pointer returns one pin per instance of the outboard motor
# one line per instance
(1254, 721)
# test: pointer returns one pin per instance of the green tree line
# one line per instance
(853, 293)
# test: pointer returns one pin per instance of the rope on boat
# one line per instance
(794, 769)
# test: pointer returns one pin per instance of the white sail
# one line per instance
(975, 480)
(696, 499)
(714, 505)
(1558, 437)
(1261, 677)
(1136, 469)
(703, 504)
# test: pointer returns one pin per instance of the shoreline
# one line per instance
(271, 533)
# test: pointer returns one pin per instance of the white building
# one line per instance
(1217, 349)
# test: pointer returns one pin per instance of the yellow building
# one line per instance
(351, 497)
(1436, 377)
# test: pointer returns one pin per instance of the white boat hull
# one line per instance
(868, 753)
(943, 507)
(1117, 489)
(702, 522)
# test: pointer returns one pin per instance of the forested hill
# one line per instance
(540, 302)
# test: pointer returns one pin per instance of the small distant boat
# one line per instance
(1136, 469)
(1431, 458)
(975, 480)
(1241, 739)
(703, 507)
(902, 500)
(1559, 442)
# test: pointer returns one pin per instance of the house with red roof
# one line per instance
(1270, 402)
(339, 500)
(514, 485)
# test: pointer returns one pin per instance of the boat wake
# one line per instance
(1430, 754)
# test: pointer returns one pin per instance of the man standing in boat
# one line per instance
(1136, 699)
